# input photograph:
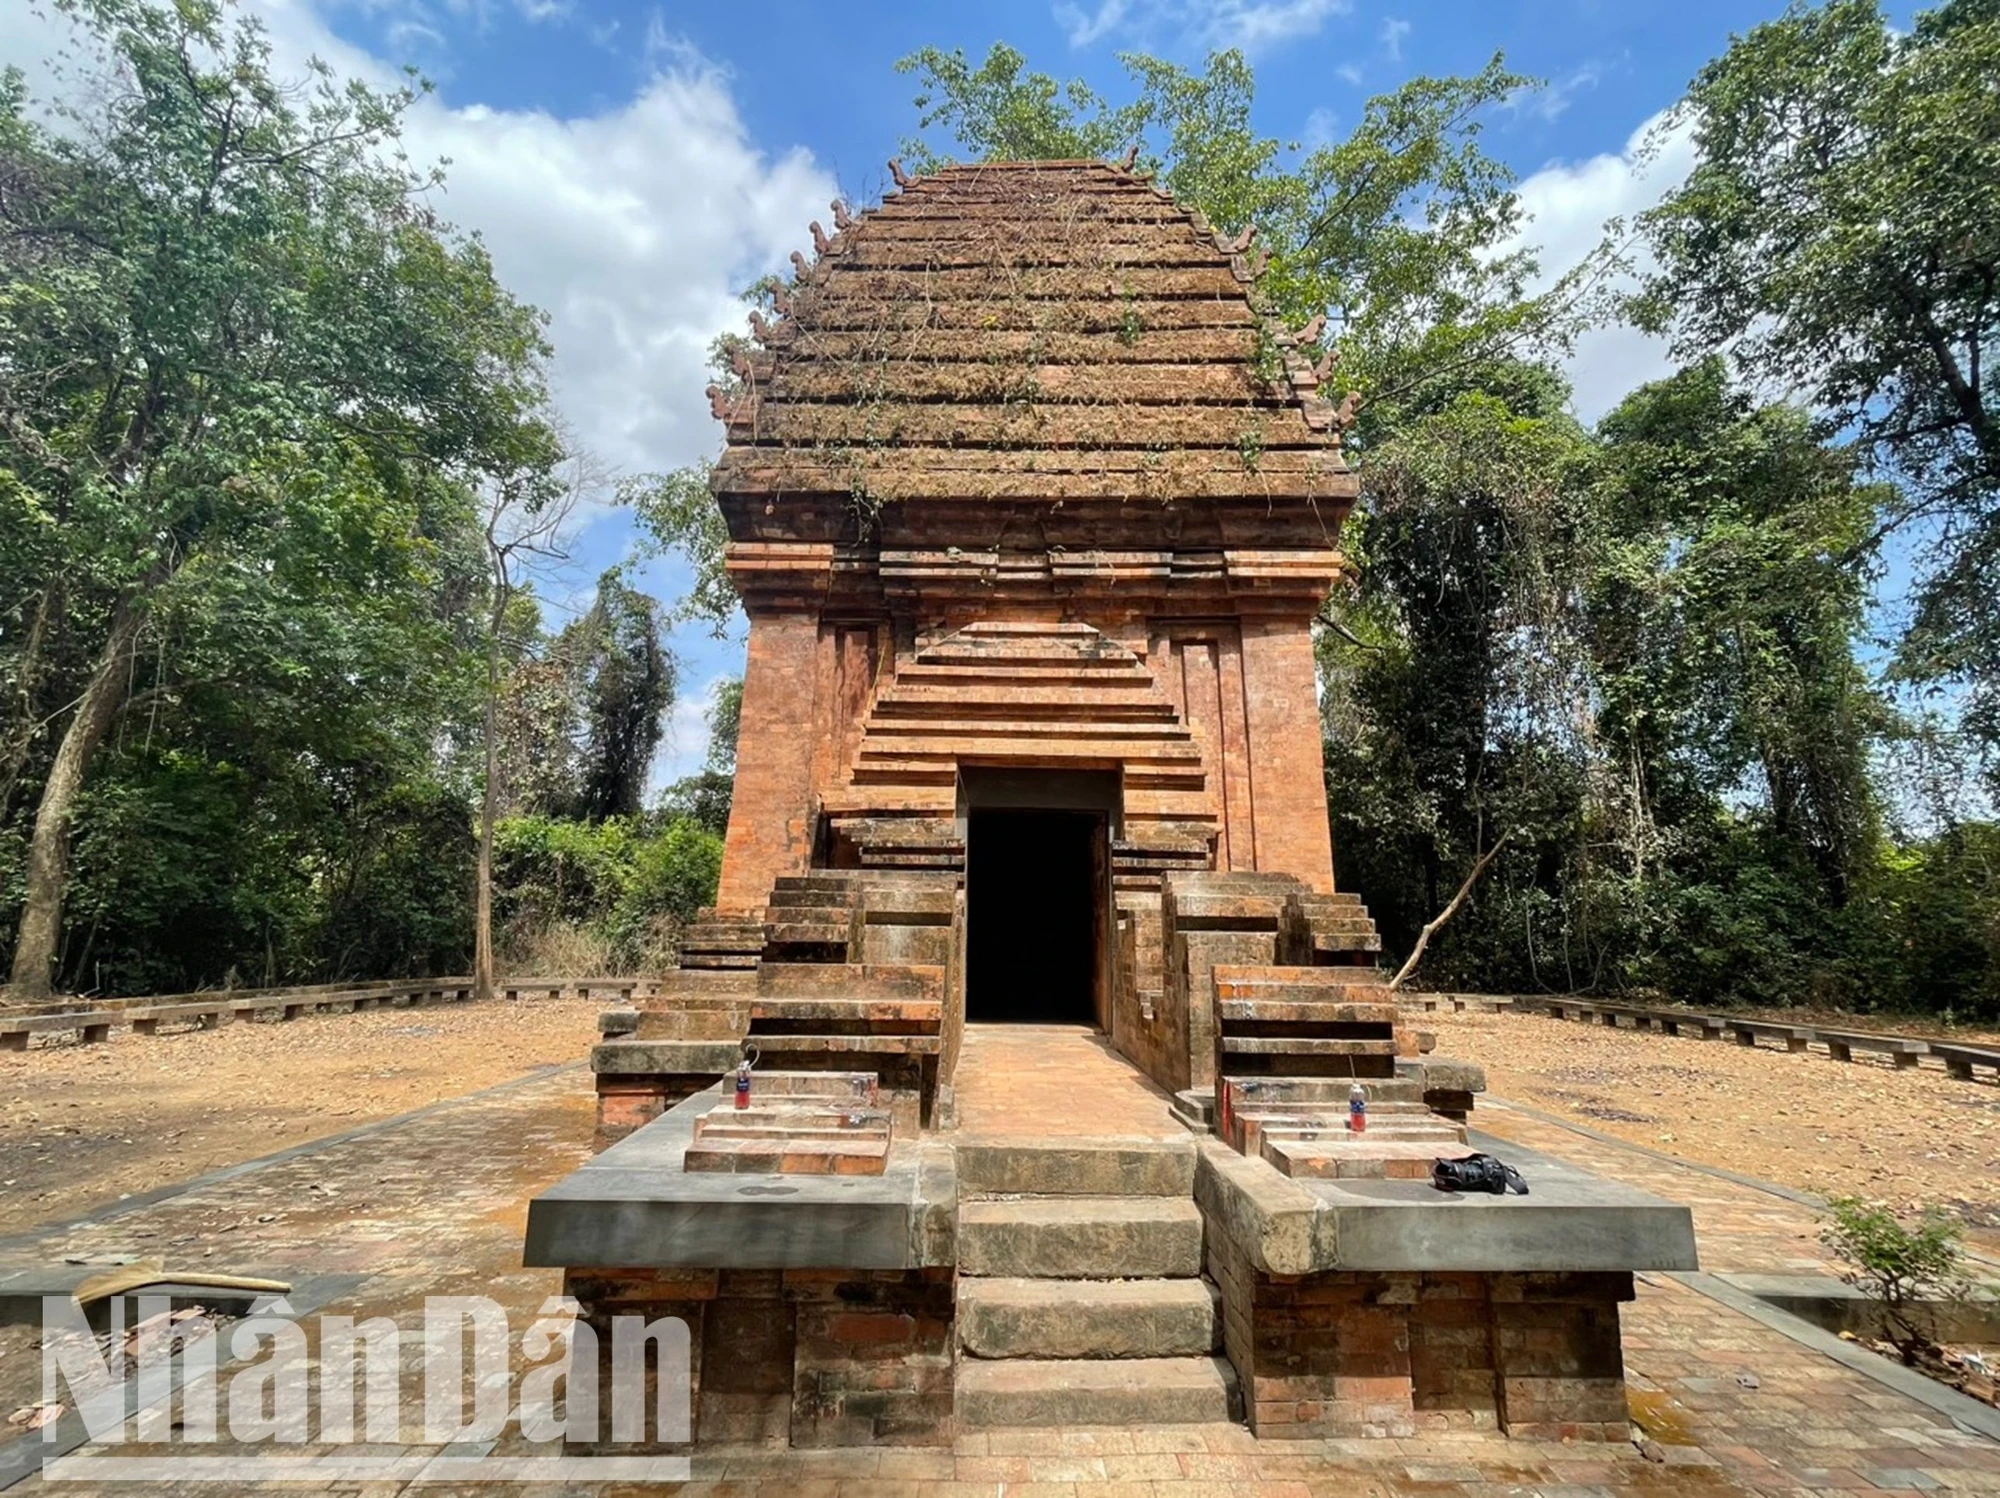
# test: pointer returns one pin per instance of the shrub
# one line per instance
(1907, 1268)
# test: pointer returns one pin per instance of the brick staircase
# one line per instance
(1293, 1042)
(1081, 1299)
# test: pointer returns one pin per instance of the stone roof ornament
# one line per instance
(1323, 368)
(821, 244)
(841, 217)
(1237, 245)
(781, 299)
(1130, 159)
(718, 406)
(1310, 333)
(903, 179)
(759, 329)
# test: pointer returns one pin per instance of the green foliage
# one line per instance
(1840, 234)
(1001, 112)
(1902, 1266)
(704, 797)
(1636, 651)
(252, 392)
(624, 677)
(679, 516)
(633, 881)
(1939, 903)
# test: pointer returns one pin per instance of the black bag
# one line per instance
(1478, 1173)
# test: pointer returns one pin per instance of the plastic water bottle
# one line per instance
(743, 1083)
(1357, 1109)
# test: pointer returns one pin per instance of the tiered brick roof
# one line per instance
(1051, 330)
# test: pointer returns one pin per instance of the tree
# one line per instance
(1840, 236)
(625, 679)
(522, 527)
(999, 112)
(239, 348)
(1726, 606)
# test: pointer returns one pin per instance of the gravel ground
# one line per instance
(1910, 1138)
(84, 1125)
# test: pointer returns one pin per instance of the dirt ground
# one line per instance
(84, 1125)
(1910, 1138)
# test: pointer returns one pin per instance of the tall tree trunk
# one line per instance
(482, 940)
(48, 850)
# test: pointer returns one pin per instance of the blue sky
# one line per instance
(633, 165)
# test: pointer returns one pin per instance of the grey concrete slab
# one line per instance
(1572, 1220)
(634, 1206)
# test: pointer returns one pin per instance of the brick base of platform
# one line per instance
(796, 1357)
(1380, 1354)
(821, 1358)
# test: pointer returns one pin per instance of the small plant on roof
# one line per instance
(1909, 1269)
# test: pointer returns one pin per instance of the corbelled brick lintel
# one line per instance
(796, 1357)
(1378, 1354)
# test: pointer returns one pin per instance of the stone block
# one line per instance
(1040, 1318)
(1041, 1167)
(1114, 1392)
(1081, 1238)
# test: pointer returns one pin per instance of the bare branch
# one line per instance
(1424, 937)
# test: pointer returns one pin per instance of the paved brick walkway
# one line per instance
(435, 1205)
(1063, 1081)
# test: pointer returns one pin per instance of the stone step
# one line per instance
(1115, 1391)
(1081, 1237)
(844, 1157)
(1288, 984)
(1360, 1159)
(1084, 1167)
(1031, 1318)
(1284, 1091)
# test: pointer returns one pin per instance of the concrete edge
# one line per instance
(1962, 1410)
(1281, 1227)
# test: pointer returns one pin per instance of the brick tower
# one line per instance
(1031, 508)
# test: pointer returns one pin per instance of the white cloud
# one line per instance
(1550, 100)
(632, 227)
(1349, 74)
(1393, 32)
(684, 737)
(1568, 205)
(1253, 25)
(1082, 28)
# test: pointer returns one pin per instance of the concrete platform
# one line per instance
(636, 1206)
(1572, 1220)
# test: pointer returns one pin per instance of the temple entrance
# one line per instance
(1037, 893)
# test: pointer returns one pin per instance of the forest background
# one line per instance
(281, 481)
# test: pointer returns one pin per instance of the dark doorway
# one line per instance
(1032, 888)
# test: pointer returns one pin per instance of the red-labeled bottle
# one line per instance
(743, 1083)
(1357, 1109)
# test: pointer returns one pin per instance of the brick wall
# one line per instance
(771, 816)
(629, 1102)
(1288, 761)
